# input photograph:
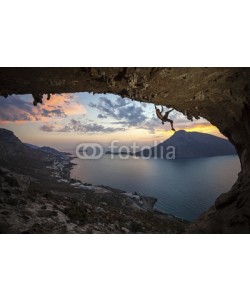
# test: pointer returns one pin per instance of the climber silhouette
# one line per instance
(164, 118)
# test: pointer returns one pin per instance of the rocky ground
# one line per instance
(51, 202)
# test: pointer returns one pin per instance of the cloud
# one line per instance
(151, 125)
(121, 110)
(91, 104)
(47, 128)
(53, 113)
(21, 108)
(134, 115)
(62, 105)
(14, 108)
(119, 122)
(90, 128)
(101, 116)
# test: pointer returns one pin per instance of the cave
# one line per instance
(220, 95)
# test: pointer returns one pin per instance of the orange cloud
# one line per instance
(17, 109)
(64, 101)
(2, 122)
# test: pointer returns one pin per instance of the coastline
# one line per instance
(47, 200)
(139, 201)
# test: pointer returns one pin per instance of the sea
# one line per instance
(184, 188)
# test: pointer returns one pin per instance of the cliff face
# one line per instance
(221, 95)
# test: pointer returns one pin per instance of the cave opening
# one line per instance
(185, 185)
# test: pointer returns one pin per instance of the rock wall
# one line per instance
(221, 95)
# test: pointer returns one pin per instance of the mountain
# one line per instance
(48, 150)
(191, 145)
(31, 146)
(119, 153)
(11, 146)
(21, 157)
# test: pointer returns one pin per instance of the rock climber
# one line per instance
(164, 118)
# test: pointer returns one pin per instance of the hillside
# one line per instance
(26, 158)
(192, 145)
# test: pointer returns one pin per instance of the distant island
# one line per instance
(119, 153)
(188, 145)
(47, 149)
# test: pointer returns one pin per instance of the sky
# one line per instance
(69, 119)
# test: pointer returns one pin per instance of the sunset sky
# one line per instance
(69, 119)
